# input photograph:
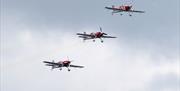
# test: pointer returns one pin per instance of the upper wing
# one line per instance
(76, 66)
(83, 34)
(108, 37)
(137, 11)
(52, 63)
(116, 9)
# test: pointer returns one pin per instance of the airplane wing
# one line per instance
(108, 37)
(76, 66)
(83, 34)
(52, 63)
(85, 37)
(110, 8)
(137, 11)
(117, 11)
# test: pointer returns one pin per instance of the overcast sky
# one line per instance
(144, 57)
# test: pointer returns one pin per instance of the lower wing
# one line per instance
(52, 63)
(137, 11)
(116, 11)
(75, 66)
(86, 37)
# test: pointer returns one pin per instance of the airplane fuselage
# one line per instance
(121, 8)
(125, 8)
(64, 63)
(96, 35)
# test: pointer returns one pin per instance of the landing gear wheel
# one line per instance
(121, 14)
(102, 41)
(93, 40)
(84, 40)
(112, 13)
(130, 15)
(69, 70)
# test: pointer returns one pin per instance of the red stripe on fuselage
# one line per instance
(125, 8)
(98, 34)
(64, 62)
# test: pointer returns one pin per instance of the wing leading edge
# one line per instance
(52, 63)
(76, 66)
(83, 34)
(108, 37)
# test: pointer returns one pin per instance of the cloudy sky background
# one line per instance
(144, 57)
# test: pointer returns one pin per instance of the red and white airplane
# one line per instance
(94, 36)
(61, 64)
(123, 8)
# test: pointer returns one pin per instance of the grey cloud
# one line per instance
(169, 82)
(119, 64)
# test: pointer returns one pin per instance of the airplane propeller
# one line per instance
(101, 31)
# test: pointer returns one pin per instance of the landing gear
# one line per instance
(69, 69)
(84, 40)
(93, 40)
(52, 68)
(121, 14)
(101, 40)
(60, 69)
(112, 13)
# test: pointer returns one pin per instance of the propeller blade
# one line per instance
(67, 58)
(100, 29)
